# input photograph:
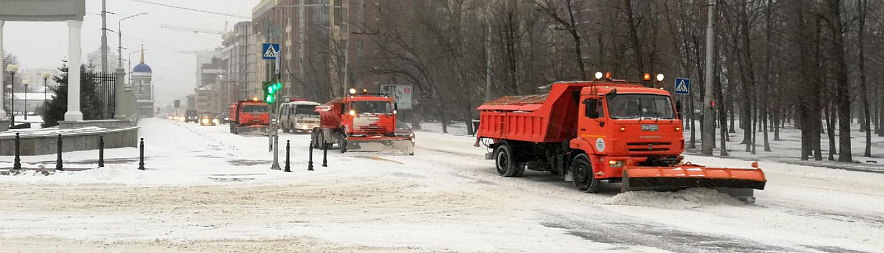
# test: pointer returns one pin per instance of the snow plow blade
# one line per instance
(251, 130)
(737, 182)
(385, 144)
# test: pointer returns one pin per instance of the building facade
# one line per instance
(94, 59)
(239, 53)
(325, 44)
(212, 93)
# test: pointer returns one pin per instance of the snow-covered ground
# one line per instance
(206, 190)
(788, 148)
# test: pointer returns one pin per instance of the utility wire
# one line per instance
(192, 9)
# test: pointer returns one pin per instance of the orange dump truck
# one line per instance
(362, 122)
(248, 116)
(602, 131)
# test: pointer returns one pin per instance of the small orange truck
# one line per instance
(602, 130)
(362, 122)
(249, 116)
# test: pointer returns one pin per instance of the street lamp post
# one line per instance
(120, 34)
(26, 83)
(12, 69)
(45, 76)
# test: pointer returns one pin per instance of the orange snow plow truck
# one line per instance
(362, 122)
(249, 117)
(603, 130)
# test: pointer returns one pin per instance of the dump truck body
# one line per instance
(603, 130)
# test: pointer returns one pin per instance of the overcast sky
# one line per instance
(44, 45)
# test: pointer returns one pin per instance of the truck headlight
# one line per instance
(616, 164)
(205, 121)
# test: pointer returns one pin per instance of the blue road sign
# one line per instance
(270, 51)
(682, 86)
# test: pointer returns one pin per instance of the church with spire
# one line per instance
(142, 89)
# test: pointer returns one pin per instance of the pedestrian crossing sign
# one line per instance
(270, 51)
(682, 86)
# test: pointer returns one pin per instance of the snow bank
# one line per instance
(684, 199)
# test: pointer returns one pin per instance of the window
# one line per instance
(377, 107)
(305, 110)
(594, 108)
(254, 109)
(638, 106)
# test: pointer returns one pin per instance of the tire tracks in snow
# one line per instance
(627, 231)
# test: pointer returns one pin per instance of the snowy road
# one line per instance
(206, 190)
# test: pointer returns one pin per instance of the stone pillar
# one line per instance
(2, 75)
(74, 40)
(119, 91)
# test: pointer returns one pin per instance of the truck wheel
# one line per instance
(505, 162)
(584, 180)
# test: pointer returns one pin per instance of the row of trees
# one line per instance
(812, 64)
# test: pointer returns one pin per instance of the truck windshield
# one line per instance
(254, 108)
(379, 107)
(637, 106)
(306, 110)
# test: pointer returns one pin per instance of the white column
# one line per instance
(74, 39)
(2, 75)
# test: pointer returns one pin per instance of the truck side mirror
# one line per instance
(395, 106)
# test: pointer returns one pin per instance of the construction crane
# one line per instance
(194, 30)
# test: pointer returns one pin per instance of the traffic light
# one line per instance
(270, 89)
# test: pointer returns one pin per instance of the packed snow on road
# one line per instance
(206, 190)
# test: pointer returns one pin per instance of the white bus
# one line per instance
(298, 116)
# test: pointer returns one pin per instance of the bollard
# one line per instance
(288, 150)
(141, 157)
(310, 161)
(324, 154)
(58, 163)
(17, 164)
(100, 151)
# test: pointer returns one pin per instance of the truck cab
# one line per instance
(620, 124)
(362, 122)
(248, 115)
(369, 115)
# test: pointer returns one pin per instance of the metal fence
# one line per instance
(106, 94)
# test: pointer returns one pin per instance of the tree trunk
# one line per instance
(748, 82)
(693, 142)
(842, 87)
(830, 131)
(633, 37)
(864, 90)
